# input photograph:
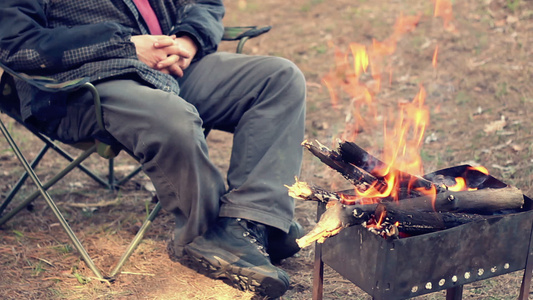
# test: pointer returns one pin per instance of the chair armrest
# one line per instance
(243, 34)
(238, 32)
(46, 84)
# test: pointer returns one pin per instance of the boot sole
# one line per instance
(218, 266)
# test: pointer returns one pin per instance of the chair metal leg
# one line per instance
(23, 178)
(77, 244)
(111, 174)
(68, 157)
(136, 240)
(48, 184)
(128, 177)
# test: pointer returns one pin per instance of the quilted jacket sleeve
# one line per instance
(202, 20)
(27, 45)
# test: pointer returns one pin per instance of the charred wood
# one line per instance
(353, 154)
(415, 223)
(360, 178)
(303, 191)
(416, 215)
(484, 201)
(337, 217)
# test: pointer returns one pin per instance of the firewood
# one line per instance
(360, 178)
(483, 201)
(331, 222)
(303, 191)
(421, 205)
(415, 223)
(409, 185)
(352, 153)
(417, 215)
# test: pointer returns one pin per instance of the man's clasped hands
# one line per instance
(168, 54)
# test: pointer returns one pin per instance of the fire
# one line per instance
(403, 133)
(460, 182)
(480, 169)
(460, 185)
(443, 9)
(435, 54)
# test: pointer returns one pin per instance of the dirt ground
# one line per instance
(481, 103)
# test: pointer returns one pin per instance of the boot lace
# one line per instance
(255, 233)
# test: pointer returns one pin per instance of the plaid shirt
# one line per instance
(68, 39)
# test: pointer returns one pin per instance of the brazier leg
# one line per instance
(318, 269)
(528, 272)
(455, 293)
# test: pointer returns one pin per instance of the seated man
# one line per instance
(160, 81)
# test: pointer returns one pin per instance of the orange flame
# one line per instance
(460, 185)
(434, 61)
(480, 169)
(402, 144)
(403, 135)
(443, 9)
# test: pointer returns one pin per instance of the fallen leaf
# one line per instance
(495, 125)
(511, 19)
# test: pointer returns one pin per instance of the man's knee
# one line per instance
(134, 110)
(288, 79)
(287, 72)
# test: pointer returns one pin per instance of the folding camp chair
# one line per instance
(9, 104)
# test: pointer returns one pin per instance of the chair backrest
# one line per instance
(9, 101)
(10, 105)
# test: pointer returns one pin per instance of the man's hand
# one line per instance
(168, 54)
(176, 63)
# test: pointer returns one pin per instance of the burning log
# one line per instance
(414, 223)
(413, 216)
(336, 217)
(360, 178)
(358, 167)
(483, 201)
(303, 191)
(422, 204)
(352, 153)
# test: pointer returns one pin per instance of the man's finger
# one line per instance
(167, 62)
(176, 70)
(177, 49)
(164, 42)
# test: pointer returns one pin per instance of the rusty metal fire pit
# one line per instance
(446, 259)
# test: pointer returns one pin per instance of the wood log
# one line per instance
(336, 217)
(407, 186)
(303, 191)
(417, 215)
(415, 223)
(485, 201)
(353, 154)
(361, 179)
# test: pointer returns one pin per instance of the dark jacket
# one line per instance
(69, 39)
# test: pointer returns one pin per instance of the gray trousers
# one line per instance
(260, 99)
